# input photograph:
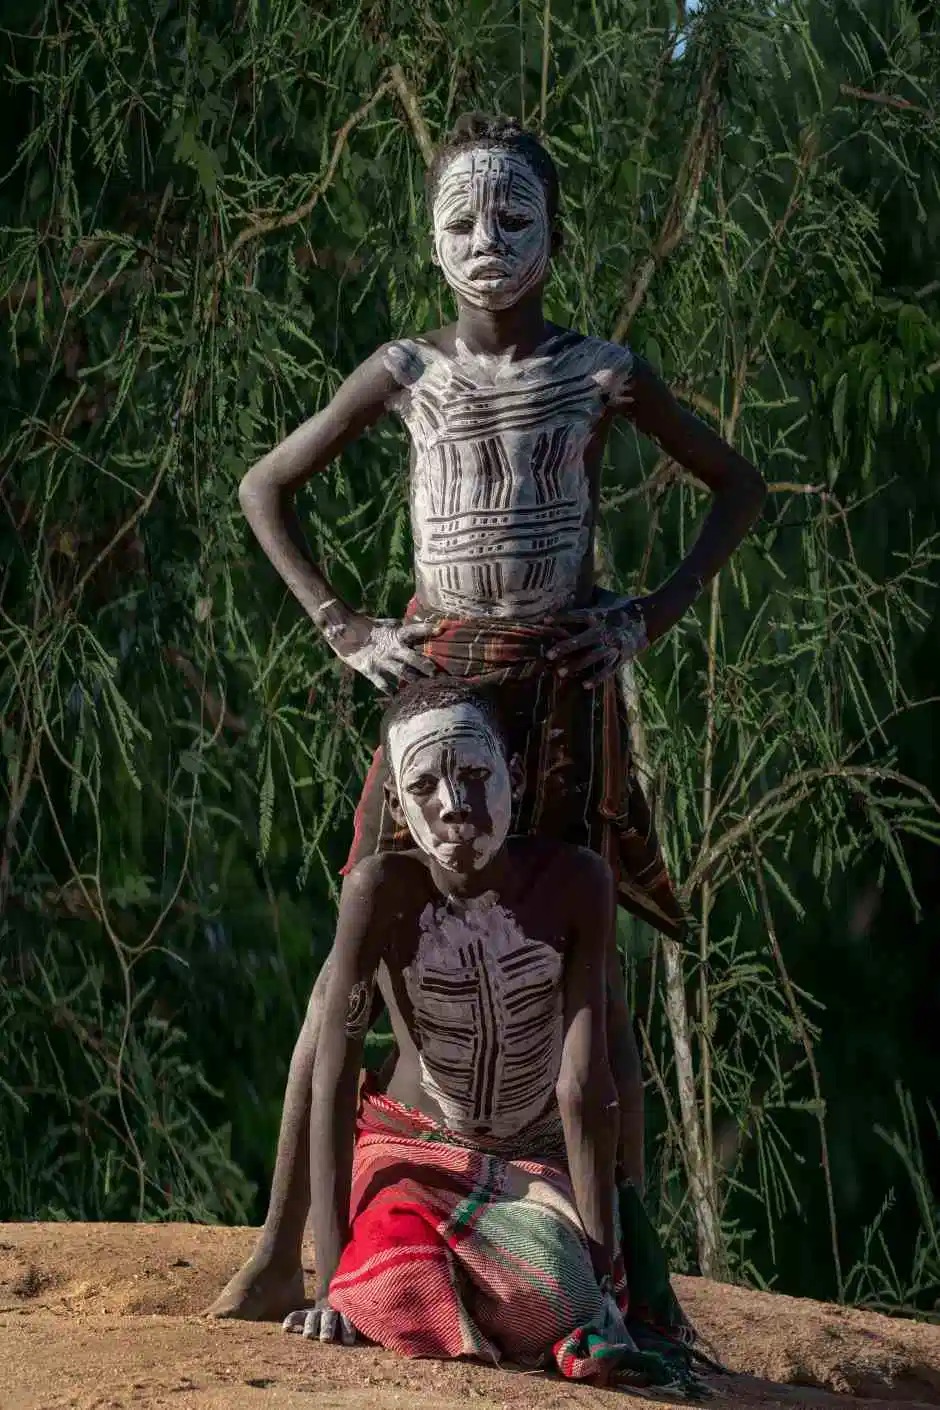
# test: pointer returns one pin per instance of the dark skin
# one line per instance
(378, 933)
(266, 1286)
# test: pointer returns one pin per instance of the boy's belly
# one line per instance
(511, 591)
(542, 1134)
(494, 538)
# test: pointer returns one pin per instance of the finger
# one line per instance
(584, 665)
(312, 1324)
(409, 676)
(398, 673)
(294, 1321)
(412, 632)
(603, 674)
(386, 677)
(593, 636)
(400, 652)
(329, 1322)
(570, 614)
(347, 1331)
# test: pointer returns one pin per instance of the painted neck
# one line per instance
(495, 876)
(522, 327)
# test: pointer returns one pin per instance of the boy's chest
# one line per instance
(481, 966)
(516, 439)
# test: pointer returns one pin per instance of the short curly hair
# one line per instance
(481, 130)
(439, 693)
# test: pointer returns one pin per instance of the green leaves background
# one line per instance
(210, 214)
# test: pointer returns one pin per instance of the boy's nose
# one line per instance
(453, 804)
(486, 239)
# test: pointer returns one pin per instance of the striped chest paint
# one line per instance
(487, 1004)
(500, 501)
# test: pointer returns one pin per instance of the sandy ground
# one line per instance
(106, 1316)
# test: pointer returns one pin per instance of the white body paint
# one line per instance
(380, 648)
(500, 502)
(488, 1008)
(444, 744)
(491, 227)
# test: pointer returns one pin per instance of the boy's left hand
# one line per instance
(321, 1323)
(613, 633)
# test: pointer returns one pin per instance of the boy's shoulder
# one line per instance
(564, 865)
(396, 874)
(413, 352)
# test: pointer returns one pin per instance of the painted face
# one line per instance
(453, 783)
(491, 227)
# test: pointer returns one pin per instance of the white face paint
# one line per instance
(453, 782)
(491, 227)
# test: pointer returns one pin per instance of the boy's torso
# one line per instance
(505, 469)
(475, 994)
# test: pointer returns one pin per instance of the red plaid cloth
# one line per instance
(454, 1251)
(575, 746)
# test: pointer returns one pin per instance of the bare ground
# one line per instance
(106, 1317)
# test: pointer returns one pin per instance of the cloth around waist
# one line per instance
(379, 1115)
(489, 649)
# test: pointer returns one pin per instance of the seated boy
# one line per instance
(477, 1214)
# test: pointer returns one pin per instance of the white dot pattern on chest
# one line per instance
(487, 1004)
(500, 504)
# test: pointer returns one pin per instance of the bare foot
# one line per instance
(259, 1293)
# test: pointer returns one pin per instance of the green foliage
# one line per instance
(210, 215)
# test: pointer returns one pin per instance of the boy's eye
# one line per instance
(515, 222)
(460, 227)
(421, 787)
(476, 774)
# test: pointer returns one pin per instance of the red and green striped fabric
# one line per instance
(457, 1252)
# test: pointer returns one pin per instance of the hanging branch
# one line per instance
(213, 705)
(684, 197)
(260, 227)
(409, 101)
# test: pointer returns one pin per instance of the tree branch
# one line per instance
(214, 705)
(409, 101)
(684, 196)
(281, 222)
(788, 794)
(886, 100)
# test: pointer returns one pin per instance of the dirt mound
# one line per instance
(106, 1317)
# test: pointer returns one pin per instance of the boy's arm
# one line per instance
(267, 494)
(347, 1011)
(587, 1097)
(627, 1073)
(738, 488)
(625, 627)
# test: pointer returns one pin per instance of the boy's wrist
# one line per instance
(667, 605)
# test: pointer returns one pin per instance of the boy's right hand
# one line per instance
(321, 1323)
(379, 648)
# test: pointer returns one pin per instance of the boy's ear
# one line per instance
(393, 803)
(516, 777)
(557, 240)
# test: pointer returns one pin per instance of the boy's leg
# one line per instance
(271, 1283)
